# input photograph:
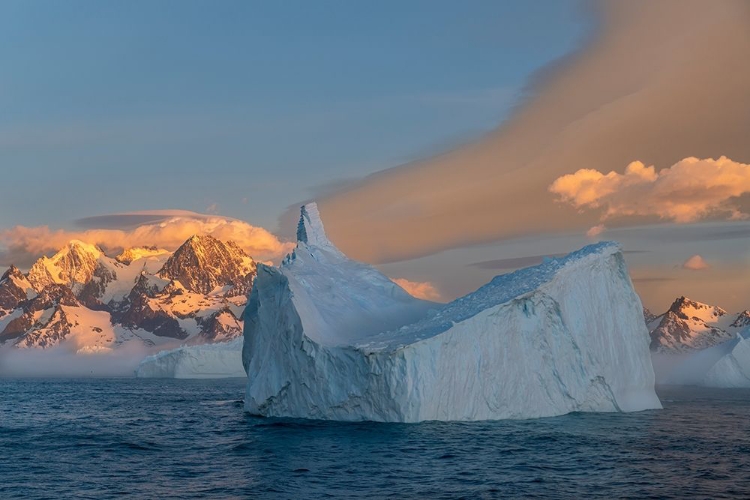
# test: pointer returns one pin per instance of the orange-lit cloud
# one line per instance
(22, 243)
(419, 289)
(688, 191)
(595, 231)
(652, 84)
(695, 263)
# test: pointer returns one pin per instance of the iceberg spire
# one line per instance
(310, 228)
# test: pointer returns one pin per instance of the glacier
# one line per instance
(326, 337)
(726, 365)
(220, 360)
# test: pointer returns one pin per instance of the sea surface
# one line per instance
(101, 438)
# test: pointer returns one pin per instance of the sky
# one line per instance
(445, 141)
(109, 107)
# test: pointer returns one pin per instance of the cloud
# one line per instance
(419, 289)
(596, 231)
(650, 84)
(688, 191)
(61, 361)
(23, 244)
(653, 279)
(514, 262)
(526, 261)
(137, 218)
(695, 263)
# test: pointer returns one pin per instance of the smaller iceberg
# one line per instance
(726, 365)
(221, 360)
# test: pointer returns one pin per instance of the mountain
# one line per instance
(689, 325)
(130, 254)
(330, 338)
(204, 263)
(15, 288)
(91, 302)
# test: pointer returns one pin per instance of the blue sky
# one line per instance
(132, 105)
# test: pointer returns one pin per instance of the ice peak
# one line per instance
(310, 228)
(81, 247)
(129, 255)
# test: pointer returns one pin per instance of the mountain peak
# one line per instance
(203, 263)
(12, 271)
(743, 320)
(686, 308)
(690, 325)
(310, 228)
(81, 247)
(76, 262)
(199, 241)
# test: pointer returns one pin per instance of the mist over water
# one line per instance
(97, 438)
(61, 362)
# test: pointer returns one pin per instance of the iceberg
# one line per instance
(726, 365)
(220, 360)
(329, 338)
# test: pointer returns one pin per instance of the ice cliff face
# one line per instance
(329, 338)
(221, 360)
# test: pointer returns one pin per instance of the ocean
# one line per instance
(102, 438)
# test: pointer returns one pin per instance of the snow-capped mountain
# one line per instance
(689, 326)
(90, 301)
(221, 265)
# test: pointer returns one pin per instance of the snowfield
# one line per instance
(330, 338)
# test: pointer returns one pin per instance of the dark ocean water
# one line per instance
(100, 438)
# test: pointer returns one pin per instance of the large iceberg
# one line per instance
(724, 365)
(221, 360)
(330, 338)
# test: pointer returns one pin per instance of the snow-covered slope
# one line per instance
(90, 302)
(76, 264)
(732, 369)
(689, 326)
(723, 365)
(329, 338)
(221, 360)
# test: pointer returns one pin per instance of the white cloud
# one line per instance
(689, 190)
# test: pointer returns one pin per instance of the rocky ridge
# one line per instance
(82, 297)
